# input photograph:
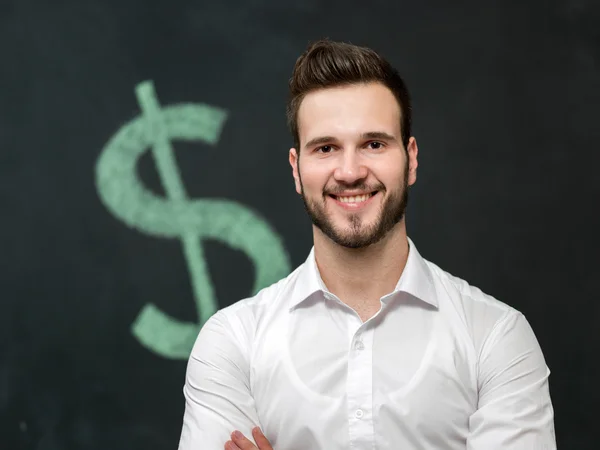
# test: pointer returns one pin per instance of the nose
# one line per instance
(350, 169)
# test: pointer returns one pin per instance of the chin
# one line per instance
(352, 239)
(357, 242)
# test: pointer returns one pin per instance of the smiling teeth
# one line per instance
(354, 199)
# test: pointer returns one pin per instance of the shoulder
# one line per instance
(478, 313)
(266, 298)
(245, 315)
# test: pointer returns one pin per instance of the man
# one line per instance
(366, 345)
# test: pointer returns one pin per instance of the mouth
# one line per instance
(354, 201)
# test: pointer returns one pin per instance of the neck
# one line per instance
(364, 274)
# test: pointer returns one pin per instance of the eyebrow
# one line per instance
(368, 135)
(378, 135)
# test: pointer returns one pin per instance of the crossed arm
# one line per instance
(514, 409)
(217, 392)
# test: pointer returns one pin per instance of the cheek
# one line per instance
(391, 174)
(314, 178)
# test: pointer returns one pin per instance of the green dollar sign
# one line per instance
(177, 216)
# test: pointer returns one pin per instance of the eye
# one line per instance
(324, 149)
(375, 145)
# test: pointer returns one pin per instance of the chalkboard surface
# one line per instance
(144, 184)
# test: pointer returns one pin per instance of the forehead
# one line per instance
(347, 111)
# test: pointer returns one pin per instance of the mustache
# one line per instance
(339, 189)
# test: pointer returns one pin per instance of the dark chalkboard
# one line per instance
(119, 238)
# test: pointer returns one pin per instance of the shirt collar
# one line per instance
(416, 280)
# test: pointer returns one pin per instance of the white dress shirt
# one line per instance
(441, 365)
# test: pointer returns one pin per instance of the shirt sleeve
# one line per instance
(217, 389)
(514, 409)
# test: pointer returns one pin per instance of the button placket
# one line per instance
(360, 385)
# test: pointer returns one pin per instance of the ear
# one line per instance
(294, 163)
(412, 162)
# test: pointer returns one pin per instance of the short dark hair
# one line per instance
(327, 63)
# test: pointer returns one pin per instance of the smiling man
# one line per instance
(366, 345)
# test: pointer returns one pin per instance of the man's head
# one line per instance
(354, 157)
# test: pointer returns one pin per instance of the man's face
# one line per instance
(351, 168)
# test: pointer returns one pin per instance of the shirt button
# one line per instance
(359, 413)
(359, 345)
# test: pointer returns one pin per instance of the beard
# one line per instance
(357, 234)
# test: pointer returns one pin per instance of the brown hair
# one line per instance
(328, 63)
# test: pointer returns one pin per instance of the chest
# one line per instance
(406, 378)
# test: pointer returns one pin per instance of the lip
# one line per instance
(354, 206)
